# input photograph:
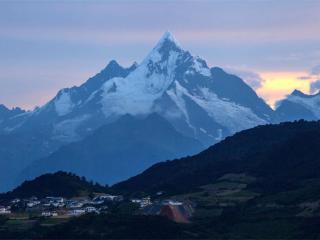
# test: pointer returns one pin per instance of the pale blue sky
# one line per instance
(48, 45)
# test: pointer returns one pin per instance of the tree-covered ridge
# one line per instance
(60, 184)
(279, 156)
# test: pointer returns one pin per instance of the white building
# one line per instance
(75, 204)
(49, 214)
(4, 210)
(91, 210)
(55, 199)
(136, 201)
(31, 204)
(16, 200)
(108, 197)
(145, 202)
(171, 202)
(76, 212)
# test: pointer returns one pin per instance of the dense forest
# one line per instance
(278, 156)
(60, 184)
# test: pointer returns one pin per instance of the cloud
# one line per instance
(304, 78)
(253, 79)
(315, 86)
(277, 85)
(313, 77)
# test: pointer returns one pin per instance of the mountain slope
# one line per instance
(28, 136)
(231, 87)
(279, 156)
(118, 150)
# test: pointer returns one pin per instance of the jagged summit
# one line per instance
(113, 63)
(299, 93)
(166, 46)
(168, 37)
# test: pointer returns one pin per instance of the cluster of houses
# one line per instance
(143, 202)
(5, 210)
(59, 206)
(55, 206)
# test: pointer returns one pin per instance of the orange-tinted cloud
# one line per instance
(277, 85)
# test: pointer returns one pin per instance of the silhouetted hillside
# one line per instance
(57, 184)
(279, 156)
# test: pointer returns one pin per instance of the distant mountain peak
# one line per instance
(162, 50)
(113, 64)
(134, 65)
(168, 37)
(299, 93)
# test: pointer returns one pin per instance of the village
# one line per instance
(60, 207)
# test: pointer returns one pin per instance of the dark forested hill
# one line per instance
(278, 156)
(57, 184)
(262, 183)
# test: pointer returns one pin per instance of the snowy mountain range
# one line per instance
(200, 103)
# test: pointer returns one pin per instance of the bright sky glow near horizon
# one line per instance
(48, 45)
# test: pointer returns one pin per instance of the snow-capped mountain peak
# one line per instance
(168, 36)
(168, 57)
(169, 81)
(178, 86)
(166, 47)
(136, 93)
(169, 40)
